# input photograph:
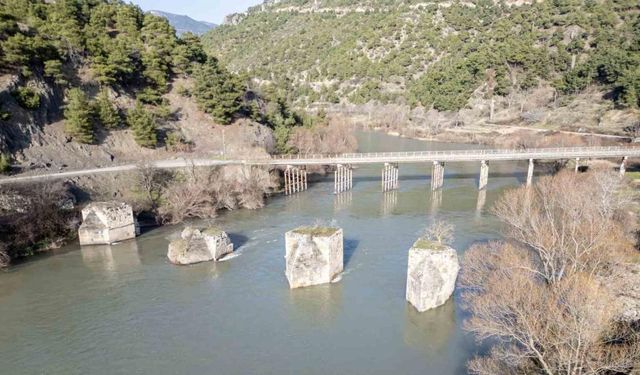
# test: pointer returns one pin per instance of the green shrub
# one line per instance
(5, 163)
(4, 115)
(177, 142)
(27, 97)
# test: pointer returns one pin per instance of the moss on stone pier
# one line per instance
(316, 231)
(424, 244)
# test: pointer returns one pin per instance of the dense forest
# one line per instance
(436, 54)
(124, 51)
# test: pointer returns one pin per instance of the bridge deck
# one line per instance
(363, 158)
(452, 156)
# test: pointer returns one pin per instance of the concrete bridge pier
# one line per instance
(484, 175)
(577, 165)
(343, 178)
(530, 173)
(390, 174)
(623, 166)
(295, 180)
(437, 175)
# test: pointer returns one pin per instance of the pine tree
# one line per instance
(217, 91)
(143, 124)
(77, 114)
(106, 111)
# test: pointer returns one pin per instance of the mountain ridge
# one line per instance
(183, 23)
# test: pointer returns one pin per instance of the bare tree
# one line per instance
(332, 138)
(536, 298)
(189, 196)
(567, 221)
(440, 232)
(536, 327)
(149, 182)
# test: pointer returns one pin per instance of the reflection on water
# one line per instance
(436, 201)
(125, 309)
(482, 201)
(317, 305)
(430, 332)
(342, 200)
(109, 259)
(389, 202)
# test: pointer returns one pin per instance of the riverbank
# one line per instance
(505, 136)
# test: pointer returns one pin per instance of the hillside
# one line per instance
(93, 82)
(449, 56)
(185, 24)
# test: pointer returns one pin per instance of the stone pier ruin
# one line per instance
(437, 175)
(295, 180)
(104, 223)
(199, 245)
(390, 174)
(343, 178)
(431, 274)
(314, 255)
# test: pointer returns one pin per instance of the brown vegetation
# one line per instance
(34, 218)
(199, 193)
(538, 297)
(336, 137)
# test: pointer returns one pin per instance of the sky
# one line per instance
(201, 10)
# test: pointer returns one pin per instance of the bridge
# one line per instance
(296, 176)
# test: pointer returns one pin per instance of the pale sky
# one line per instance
(201, 10)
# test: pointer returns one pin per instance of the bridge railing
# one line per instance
(461, 153)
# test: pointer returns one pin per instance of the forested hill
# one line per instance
(103, 66)
(435, 53)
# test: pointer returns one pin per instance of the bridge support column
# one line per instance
(437, 175)
(623, 166)
(530, 173)
(577, 164)
(484, 175)
(390, 175)
(343, 178)
(295, 180)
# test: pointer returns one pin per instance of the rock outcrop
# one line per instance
(314, 255)
(196, 246)
(104, 223)
(431, 274)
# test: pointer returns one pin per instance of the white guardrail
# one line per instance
(452, 155)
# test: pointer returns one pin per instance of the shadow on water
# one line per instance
(350, 246)
(238, 240)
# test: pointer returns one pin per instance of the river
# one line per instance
(123, 309)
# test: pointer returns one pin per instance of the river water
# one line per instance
(123, 309)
